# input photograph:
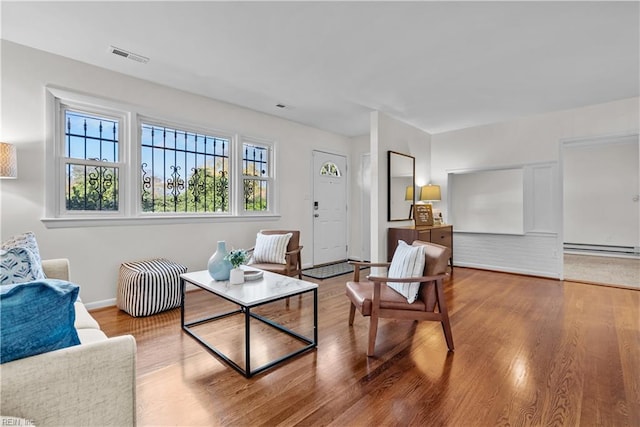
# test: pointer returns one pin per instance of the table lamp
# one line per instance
(430, 193)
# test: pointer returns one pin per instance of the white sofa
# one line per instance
(91, 384)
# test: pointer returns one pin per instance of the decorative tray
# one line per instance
(253, 275)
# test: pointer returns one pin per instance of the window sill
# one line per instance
(149, 220)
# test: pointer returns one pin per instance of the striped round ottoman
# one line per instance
(149, 287)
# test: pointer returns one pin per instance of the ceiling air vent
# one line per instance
(127, 54)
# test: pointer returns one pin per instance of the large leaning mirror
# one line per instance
(400, 186)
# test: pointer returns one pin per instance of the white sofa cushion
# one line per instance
(83, 318)
(88, 336)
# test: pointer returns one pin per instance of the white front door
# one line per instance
(329, 208)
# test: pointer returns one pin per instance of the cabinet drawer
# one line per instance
(442, 237)
(423, 235)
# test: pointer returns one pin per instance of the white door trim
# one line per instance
(568, 142)
(314, 198)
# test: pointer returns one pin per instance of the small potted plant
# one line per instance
(237, 257)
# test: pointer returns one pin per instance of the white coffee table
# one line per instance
(271, 287)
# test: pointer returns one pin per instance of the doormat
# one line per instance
(331, 270)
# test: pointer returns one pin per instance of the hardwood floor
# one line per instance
(528, 351)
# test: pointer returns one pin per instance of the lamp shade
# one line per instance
(408, 195)
(430, 193)
(8, 161)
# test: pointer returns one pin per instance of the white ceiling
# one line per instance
(437, 65)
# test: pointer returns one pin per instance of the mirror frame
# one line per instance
(390, 174)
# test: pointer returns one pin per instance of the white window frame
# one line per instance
(129, 175)
(58, 102)
(270, 179)
(64, 160)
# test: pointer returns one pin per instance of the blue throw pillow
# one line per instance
(37, 317)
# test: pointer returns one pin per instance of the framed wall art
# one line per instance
(423, 215)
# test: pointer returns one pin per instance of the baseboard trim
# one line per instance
(603, 254)
(543, 274)
(100, 304)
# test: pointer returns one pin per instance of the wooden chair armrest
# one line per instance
(358, 264)
(421, 279)
(295, 251)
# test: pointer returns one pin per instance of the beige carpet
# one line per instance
(603, 270)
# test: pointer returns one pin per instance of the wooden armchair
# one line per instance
(293, 265)
(373, 298)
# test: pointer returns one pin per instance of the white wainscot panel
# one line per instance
(532, 254)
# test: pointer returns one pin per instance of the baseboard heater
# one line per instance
(609, 249)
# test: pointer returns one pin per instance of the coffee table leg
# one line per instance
(315, 317)
(182, 296)
(247, 342)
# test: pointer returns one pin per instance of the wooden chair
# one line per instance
(373, 298)
(293, 265)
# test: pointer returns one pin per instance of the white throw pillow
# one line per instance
(26, 241)
(18, 265)
(408, 261)
(271, 248)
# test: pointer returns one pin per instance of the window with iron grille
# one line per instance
(91, 162)
(183, 171)
(256, 176)
(106, 162)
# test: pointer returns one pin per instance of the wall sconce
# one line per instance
(430, 193)
(8, 161)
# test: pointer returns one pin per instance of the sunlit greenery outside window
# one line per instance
(183, 171)
(256, 176)
(91, 162)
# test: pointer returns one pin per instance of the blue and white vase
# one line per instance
(219, 268)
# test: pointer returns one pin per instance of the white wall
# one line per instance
(599, 208)
(388, 133)
(96, 252)
(533, 139)
(360, 189)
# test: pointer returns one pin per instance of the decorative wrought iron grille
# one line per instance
(91, 177)
(256, 175)
(183, 171)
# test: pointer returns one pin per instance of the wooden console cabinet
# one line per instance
(440, 234)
